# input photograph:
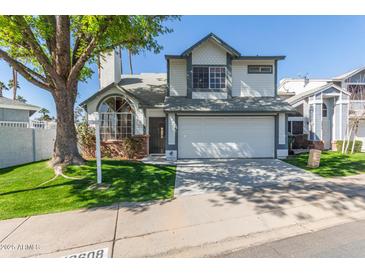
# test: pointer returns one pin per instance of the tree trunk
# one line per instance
(130, 61)
(65, 148)
(15, 83)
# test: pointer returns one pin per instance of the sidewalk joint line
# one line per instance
(11, 232)
(115, 232)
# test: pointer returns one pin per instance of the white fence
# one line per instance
(30, 124)
(25, 142)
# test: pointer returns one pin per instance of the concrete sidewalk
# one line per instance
(188, 226)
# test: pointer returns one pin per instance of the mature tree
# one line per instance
(13, 84)
(21, 99)
(55, 53)
(2, 88)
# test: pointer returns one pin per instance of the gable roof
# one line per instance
(217, 40)
(235, 53)
(348, 74)
(295, 99)
(148, 88)
(15, 104)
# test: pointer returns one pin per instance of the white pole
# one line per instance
(97, 151)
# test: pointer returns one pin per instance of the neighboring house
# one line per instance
(326, 106)
(212, 103)
(23, 140)
(16, 111)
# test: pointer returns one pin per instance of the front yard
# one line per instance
(23, 191)
(333, 164)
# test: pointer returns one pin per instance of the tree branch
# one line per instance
(26, 72)
(50, 39)
(35, 47)
(63, 59)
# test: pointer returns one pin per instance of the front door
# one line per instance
(157, 134)
(326, 126)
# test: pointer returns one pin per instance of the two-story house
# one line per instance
(213, 102)
(327, 106)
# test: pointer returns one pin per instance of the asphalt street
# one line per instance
(342, 241)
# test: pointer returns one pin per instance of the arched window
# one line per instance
(324, 110)
(116, 117)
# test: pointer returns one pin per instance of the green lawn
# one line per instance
(332, 164)
(23, 194)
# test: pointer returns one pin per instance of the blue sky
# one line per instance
(320, 46)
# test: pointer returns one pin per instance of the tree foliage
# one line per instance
(47, 50)
(55, 53)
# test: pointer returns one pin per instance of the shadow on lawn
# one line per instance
(129, 182)
(332, 164)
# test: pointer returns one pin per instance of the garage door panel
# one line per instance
(226, 137)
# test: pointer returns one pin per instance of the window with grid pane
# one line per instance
(200, 77)
(116, 119)
(217, 77)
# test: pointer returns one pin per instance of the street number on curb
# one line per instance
(96, 254)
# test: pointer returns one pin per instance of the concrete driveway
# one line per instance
(203, 176)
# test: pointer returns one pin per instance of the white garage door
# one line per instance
(226, 137)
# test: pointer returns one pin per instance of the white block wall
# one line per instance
(24, 145)
(244, 84)
(178, 77)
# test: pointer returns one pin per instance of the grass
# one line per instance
(22, 192)
(332, 163)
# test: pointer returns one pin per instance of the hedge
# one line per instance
(358, 145)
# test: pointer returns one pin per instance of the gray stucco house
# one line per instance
(327, 106)
(213, 102)
(16, 111)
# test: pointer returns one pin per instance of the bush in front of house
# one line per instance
(357, 148)
(86, 139)
(129, 148)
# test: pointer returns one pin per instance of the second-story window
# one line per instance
(259, 69)
(217, 77)
(200, 77)
(206, 77)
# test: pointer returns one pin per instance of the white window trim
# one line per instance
(209, 67)
(114, 126)
(260, 69)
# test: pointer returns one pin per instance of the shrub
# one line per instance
(358, 145)
(128, 148)
(132, 147)
(86, 139)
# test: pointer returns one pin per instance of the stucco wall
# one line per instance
(245, 84)
(24, 145)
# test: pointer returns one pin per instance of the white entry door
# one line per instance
(226, 137)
